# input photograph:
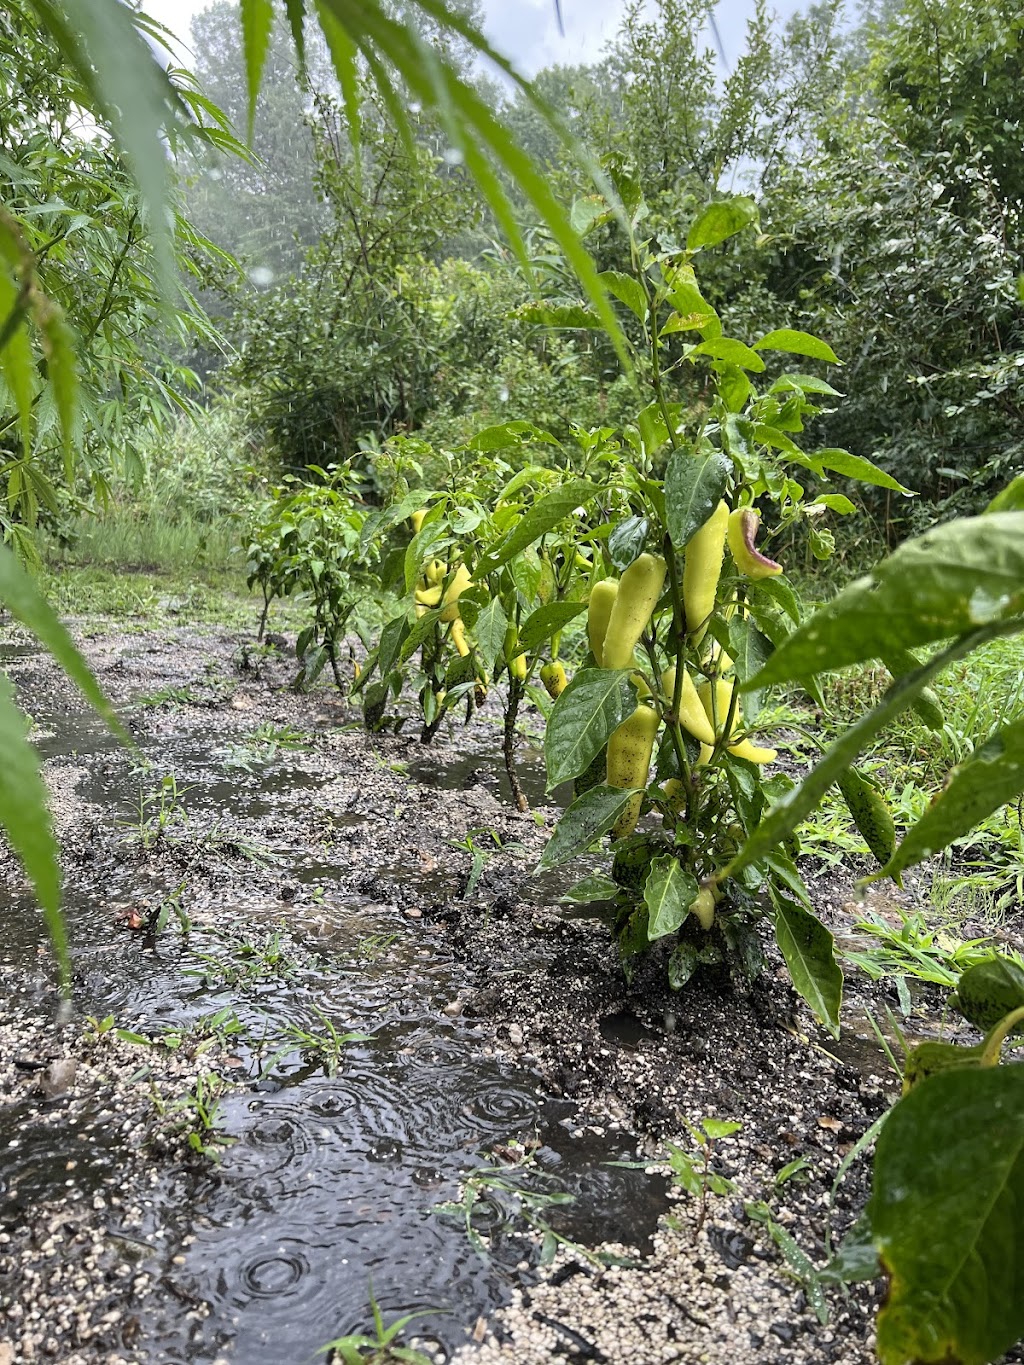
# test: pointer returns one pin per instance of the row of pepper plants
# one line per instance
(647, 550)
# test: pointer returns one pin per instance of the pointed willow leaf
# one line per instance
(949, 581)
(16, 362)
(988, 779)
(784, 817)
(26, 819)
(479, 134)
(344, 57)
(669, 891)
(809, 950)
(62, 372)
(594, 704)
(257, 26)
(20, 595)
(101, 43)
(589, 816)
(694, 485)
(945, 1218)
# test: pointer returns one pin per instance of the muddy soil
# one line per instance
(318, 1054)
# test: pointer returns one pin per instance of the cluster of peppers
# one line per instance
(619, 612)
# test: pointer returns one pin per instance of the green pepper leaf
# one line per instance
(589, 816)
(594, 704)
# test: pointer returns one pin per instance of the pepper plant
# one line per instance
(491, 569)
(685, 607)
(304, 538)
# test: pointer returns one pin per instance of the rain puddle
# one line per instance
(340, 1148)
(485, 770)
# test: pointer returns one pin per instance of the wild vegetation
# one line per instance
(646, 397)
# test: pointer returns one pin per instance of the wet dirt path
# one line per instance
(287, 920)
(322, 1017)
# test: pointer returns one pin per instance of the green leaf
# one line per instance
(23, 599)
(560, 315)
(627, 541)
(596, 886)
(720, 220)
(797, 343)
(506, 434)
(101, 43)
(627, 290)
(62, 372)
(835, 502)
(806, 383)
(992, 775)
(546, 621)
(1010, 499)
(669, 891)
(26, 819)
(809, 950)
(947, 582)
(257, 26)
(693, 312)
(583, 718)
(545, 514)
(16, 362)
(731, 351)
(987, 992)
(794, 807)
(750, 652)
(945, 1217)
(589, 816)
(489, 633)
(856, 467)
(694, 486)
(587, 212)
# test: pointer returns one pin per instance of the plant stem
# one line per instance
(516, 692)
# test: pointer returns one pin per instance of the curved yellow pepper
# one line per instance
(639, 589)
(692, 716)
(702, 569)
(602, 598)
(743, 528)
(629, 762)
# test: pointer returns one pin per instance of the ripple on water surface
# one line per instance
(330, 1185)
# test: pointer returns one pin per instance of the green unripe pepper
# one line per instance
(870, 814)
(702, 569)
(926, 703)
(629, 762)
(639, 589)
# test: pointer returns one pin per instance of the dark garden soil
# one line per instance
(294, 881)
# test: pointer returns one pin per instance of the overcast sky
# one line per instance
(527, 31)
